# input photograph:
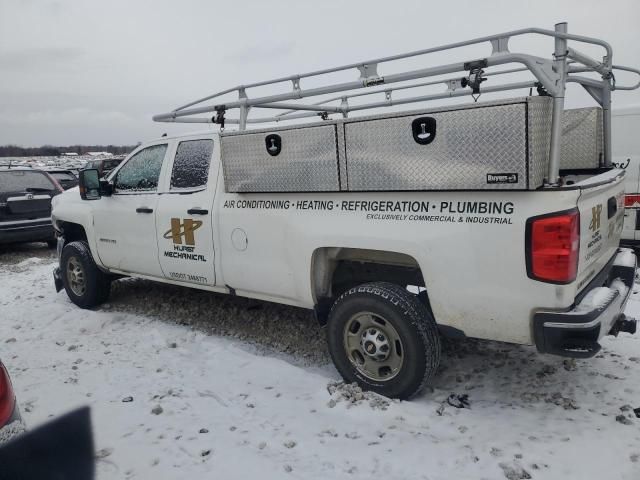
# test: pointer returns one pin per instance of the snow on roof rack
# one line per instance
(551, 76)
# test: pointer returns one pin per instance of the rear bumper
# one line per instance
(26, 231)
(576, 332)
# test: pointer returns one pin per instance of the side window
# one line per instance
(141, 172)
(191, 165)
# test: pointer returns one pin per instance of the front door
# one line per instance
(185, 214)
(125, 221)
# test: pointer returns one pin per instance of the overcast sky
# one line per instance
(94, 72)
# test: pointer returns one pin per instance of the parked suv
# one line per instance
(25, 205)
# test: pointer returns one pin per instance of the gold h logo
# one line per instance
(180, 230)
(594, 226)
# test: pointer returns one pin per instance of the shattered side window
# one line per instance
(191, 165)
(142, 171)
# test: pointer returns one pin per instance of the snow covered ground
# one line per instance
(226, 396)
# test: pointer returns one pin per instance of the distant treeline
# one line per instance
(53, 151)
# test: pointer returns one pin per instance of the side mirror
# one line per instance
(89, 183)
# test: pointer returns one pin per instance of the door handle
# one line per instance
(144, 210)
(197, 211)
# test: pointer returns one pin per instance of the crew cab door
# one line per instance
(184, 216)
(124, 222)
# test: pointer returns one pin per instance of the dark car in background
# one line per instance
(66, 178)
(11, 423)
(25, 205)
(105, 165)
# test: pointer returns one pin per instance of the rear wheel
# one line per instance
(384, 338)
(86, 285)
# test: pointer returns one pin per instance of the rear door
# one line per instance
(184, 216)
(124, 223)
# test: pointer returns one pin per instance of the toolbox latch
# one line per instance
(273, 144)
(424, 130)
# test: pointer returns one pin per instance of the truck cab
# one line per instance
(161, 195)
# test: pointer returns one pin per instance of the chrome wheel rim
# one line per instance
(373, 346)
(76, 277)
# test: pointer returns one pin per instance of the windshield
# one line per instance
(20, 180)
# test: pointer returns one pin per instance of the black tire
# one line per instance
(97, 283)
(412, 322)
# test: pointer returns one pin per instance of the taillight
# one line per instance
(552, 247)
(631, 200)
(7, 398)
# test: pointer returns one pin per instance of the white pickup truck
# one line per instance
(497, 220)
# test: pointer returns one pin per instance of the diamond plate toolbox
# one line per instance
(582, 142)
(488, 146)
(302, 159)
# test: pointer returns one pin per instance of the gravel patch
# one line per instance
(267, 326)
(19, 256)
(293, 331)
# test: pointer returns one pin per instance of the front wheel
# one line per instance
(382, 337)
(86, 285)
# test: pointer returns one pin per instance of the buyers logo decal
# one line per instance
(502, 178)
(184, 240)
(184, 229)
(594, 226)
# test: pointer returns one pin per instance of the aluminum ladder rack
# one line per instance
(550, 78)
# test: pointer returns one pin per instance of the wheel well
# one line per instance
(335, 270)
(73, 232)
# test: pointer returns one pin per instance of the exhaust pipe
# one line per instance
(624, 324)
